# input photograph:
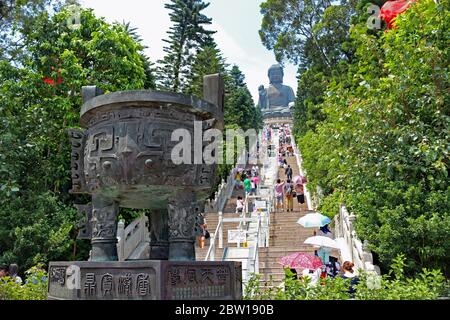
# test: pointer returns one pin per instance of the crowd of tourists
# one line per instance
(293, 187)
(248, 179)
(314, 275)
(286, 190)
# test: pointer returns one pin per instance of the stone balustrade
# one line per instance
(352, 249)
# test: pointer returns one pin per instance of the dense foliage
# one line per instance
(375, 136)
(40, 98)
(34, 288)
(44, 61)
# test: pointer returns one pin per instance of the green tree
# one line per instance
(239, 105)
(37, 218)
(186, 35)
(237, 77)
(383, 144)
(305, 31)
(16, 15)
(209, 60)
(149, 67)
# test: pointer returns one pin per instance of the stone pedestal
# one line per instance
(145, 280)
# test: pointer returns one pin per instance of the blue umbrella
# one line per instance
(314, 220)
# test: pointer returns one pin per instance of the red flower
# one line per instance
(49, 81)
(52, 82)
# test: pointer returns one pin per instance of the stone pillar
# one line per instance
(104, 229)
(182, 210)
(214, 90)
(159, 235)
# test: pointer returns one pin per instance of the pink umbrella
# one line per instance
(297, 179)
(301, 260)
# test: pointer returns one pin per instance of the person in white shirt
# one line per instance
(314, 275)
(239, 205)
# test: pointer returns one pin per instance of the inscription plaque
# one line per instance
(146, 280)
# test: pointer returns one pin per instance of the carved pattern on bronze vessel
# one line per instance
(151, 113)
(104, 222)
(85, 213)
(77, 139)
(137, 152)
(181, 222)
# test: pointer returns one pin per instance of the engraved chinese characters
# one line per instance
(189, 282)
(144, 280)
(122, 285)
(58, 275)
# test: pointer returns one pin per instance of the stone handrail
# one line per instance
(298, 157)
(130, 237)
(254, 260)
(211, 255)
(352, 247)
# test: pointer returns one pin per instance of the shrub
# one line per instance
(35, 287)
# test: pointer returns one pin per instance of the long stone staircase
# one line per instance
(286, 236)
(212, 219)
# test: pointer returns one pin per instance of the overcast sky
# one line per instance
(236, 21)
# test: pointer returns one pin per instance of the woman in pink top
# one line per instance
(279, 194)
(299, 190)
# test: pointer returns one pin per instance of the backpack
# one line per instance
(289, 189)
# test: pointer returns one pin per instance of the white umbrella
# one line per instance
(322, 242)
(314, 220)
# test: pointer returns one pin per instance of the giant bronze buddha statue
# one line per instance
(277, 99)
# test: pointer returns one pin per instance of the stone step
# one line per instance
(274, 270)
(285, 235)
(286, 248)
(263, 264)
(275, 227)
(274, 256)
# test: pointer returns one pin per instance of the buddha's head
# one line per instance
(276, 74)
